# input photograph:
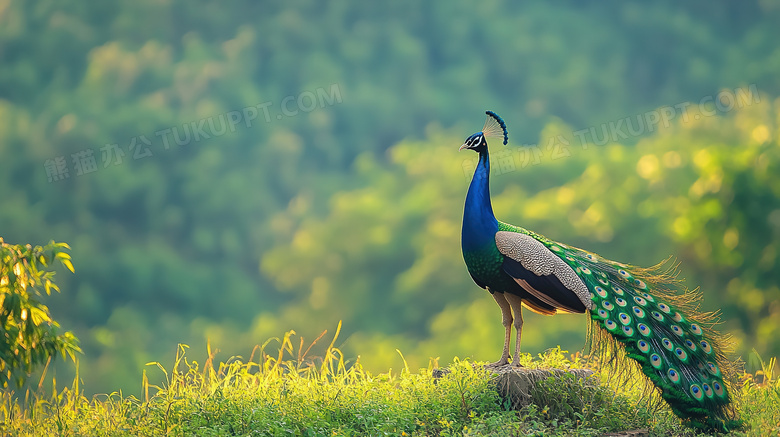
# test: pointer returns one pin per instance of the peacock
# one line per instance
(639, 314)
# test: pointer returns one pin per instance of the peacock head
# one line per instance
(494, 127)
(475, 142)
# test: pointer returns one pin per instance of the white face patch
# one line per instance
(536, 258)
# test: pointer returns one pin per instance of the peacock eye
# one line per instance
(712, 368)
(718, 388)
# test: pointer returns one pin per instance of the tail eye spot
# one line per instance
(712, 368)
(696, 392)
(718, 388)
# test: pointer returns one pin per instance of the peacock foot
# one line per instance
(500, 363)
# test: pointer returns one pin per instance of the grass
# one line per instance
(288, 393)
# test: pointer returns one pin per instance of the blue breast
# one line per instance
(479, 223)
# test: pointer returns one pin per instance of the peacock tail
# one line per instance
(648, 316)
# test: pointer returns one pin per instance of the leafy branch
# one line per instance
(28, 334)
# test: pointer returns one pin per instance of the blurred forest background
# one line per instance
(228, 172)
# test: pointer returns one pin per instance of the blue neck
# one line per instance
(479, 224)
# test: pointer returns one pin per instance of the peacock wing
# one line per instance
(542, 273)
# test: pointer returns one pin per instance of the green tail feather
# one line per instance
(649, 320)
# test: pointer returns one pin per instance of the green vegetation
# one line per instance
(28, 335)
(290, 393)
(350, 210)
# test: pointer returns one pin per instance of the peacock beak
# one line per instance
(464, 146)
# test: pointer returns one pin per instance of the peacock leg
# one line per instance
(517, 307)
(506, 320)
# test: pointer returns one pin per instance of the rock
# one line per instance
(515, 384)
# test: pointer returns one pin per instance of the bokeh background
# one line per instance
(236, 170)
